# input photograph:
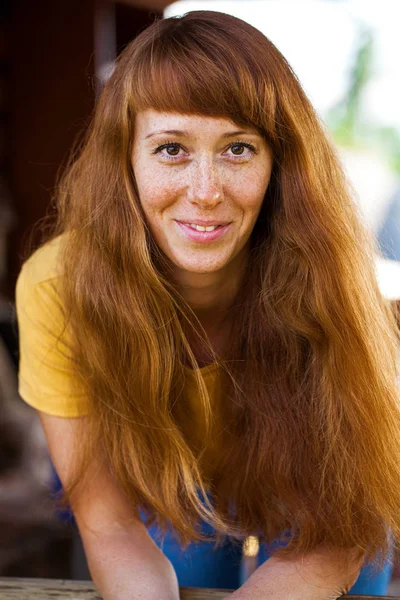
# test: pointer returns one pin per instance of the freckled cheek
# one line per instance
(156, 193)
(158, 201)
(249, 196)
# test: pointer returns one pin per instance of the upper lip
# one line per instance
(203, 222)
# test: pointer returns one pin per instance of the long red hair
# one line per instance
(311, 400)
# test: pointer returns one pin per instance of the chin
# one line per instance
(200, 266)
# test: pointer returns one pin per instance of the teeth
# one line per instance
(201, 228)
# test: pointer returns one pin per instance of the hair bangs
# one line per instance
(194, 76)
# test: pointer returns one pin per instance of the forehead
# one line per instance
(150, 121)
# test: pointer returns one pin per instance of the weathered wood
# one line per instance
(62, 589)
(59, 589)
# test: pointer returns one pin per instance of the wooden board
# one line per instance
(63, 589)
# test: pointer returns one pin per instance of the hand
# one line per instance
(320, 575)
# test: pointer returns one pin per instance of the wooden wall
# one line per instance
(52, 52)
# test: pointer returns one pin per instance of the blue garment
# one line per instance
(372, 584)
(200, 565)
(203, 567)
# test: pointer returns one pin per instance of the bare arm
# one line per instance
(124, 562)
(319, 575)
(129, 565)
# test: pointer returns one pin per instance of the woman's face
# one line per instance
(199, 170)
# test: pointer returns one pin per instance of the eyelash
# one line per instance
(158, 149)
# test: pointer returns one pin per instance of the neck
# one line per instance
(211, 295)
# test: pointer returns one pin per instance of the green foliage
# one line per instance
(345, 120)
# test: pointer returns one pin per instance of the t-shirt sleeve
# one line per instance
(47, 377)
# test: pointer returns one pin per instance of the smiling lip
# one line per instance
(202, 236)
(203, 222)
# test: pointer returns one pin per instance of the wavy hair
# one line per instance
(311, 400)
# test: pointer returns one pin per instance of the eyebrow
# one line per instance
(184, 133)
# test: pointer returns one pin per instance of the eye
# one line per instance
(169, 150)
(172, 149)
(237, 149)
(242, 149)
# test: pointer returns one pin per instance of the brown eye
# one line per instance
(172, 149)
(169, 151)
(237, 149)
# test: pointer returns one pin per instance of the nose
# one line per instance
(205, 188)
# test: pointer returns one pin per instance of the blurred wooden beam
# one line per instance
(46, 589)
(156, 5)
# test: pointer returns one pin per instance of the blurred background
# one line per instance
(54, 60)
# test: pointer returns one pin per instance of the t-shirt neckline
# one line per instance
(204, 370)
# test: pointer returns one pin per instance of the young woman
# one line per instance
(203, 332)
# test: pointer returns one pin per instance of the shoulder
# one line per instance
(37, 292)
(48, 376)
(45, 263)
(39, 280)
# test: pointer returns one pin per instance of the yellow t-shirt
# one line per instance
(47, 378)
